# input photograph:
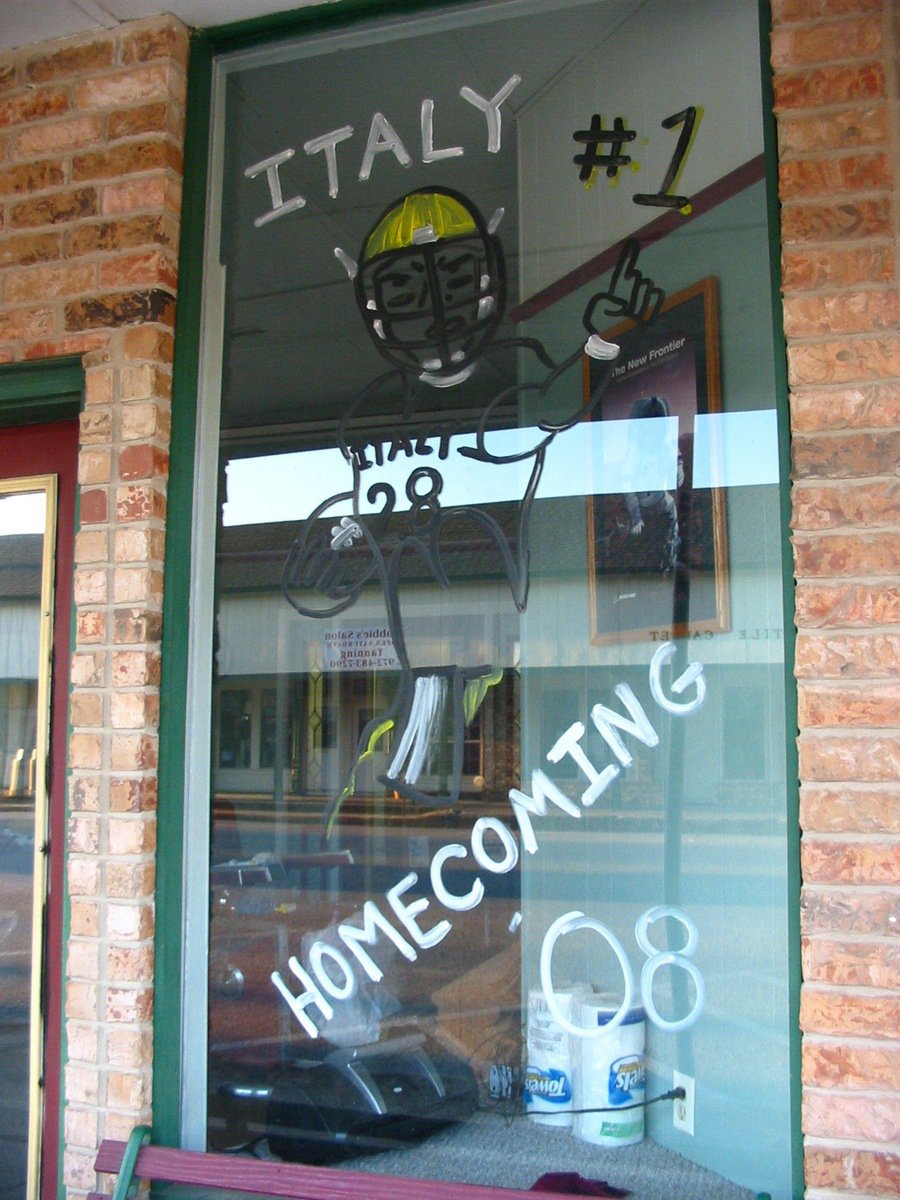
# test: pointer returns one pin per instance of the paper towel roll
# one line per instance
(609, 1074)
(548, 1073)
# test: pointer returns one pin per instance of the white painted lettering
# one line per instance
(525, 807)
(429, 154)
(373, 919)
(280, 206)
(383, 138)
(299, 1004)
(570, 743)
(473, 896)
(340, 991)
(407, 913)
(639, 726)
(491, 109)
(569, 923)
(508, 842)
(328, 142)
(338, 979)
(693, 675)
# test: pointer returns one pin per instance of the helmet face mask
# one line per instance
(432, 305)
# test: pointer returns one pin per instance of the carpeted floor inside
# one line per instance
(514, 1153)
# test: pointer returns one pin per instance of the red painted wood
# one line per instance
(279, 1179)
(52, 449)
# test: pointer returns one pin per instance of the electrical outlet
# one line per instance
(683, 1109)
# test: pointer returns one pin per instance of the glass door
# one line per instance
(27, 539)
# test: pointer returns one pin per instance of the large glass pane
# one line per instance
(497, 786)
(24, 591)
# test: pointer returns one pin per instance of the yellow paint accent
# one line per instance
(444, 214)
(475, 692)
(375, 737)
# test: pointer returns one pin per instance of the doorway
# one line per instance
(37, 502)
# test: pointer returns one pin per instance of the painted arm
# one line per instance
(329, 561)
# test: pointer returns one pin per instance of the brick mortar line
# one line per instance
(851, 683)
(888, 333)
(890, 787)
(858, 991)
(788, 112)
(817, 1141)
(808, 21)
(871, 941)
(843, 433)
(828, 154)
(838, 1040)
(789, 120)
(831, 197)
(828, 199)
(76, 113)
(881, 582)
(854, 838)
(97, 292)
(788, 65)
(65, 158)
(857, 684)
(857, 734)
(868, 287)
(867, 242)
(810, 1193)
(834, 433)
(802, 391)
(844, 631)
(825, 1091)
(863, 531)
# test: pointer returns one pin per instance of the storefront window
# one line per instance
(495, 767)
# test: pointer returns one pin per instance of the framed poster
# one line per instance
(658, 553)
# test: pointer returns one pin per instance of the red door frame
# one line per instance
(52, 449)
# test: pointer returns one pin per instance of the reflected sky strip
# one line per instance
(593, 458)
(735, 449)
(25, 513)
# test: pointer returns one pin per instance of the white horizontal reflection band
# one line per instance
(736, 449)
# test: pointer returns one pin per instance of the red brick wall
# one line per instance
(91, 133)
(836, 104)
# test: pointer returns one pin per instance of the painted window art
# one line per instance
(489, 342)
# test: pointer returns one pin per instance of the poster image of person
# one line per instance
(658, 542)
(653, 515)
(430, 285)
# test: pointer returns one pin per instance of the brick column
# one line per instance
(836, 105)
(91, 134)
